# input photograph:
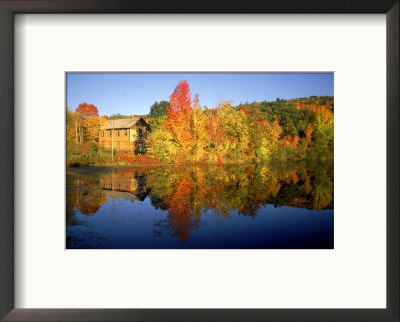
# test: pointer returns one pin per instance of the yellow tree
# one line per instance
(71, 131)
(269, 142)
(235, 131)
(323, 127)
(162, 145)
(199, 131)
(91, 127)
(82, 112)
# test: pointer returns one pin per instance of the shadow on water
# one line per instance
(276, 205)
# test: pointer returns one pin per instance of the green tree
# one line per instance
(118, 116)
(158, 109)
(158, 114)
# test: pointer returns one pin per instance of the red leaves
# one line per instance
(262, 123)
(180, 98)
(245, 110)
(307, 133)
(84, 148)
(292, 141)
(219, 158)
(179, 209)
(179, 115)
(87, 110)
(314, 108)
(130, 158)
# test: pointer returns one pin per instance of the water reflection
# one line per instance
(201, 206)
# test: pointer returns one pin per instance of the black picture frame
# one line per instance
(8, 8)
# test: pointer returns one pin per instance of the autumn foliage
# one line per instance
(183, 131)
(249, 133)
(87, 110)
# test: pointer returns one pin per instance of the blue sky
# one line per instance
(134, 93)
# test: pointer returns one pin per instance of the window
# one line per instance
(117, 132)
(118, 145)
(109, 132)
(102, 133)
(125, 145)
(126, 132)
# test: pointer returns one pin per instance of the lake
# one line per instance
(281, 205)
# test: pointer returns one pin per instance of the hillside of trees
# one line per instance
(185, 132)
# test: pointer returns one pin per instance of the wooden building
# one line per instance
(125, 134)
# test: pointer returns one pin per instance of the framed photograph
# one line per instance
(196, 171)
(198, 161)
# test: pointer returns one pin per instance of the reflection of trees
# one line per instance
(180, 208)
(88, 191)
(84, 195)
(186, 192)
(306, 185)
(90, 200)
(323, 191)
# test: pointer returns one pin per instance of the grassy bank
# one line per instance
(88, 155)
(92, 155)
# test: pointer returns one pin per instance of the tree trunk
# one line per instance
(81, 131)
(76, 135)
(112, 142)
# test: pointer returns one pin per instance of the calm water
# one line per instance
(279, 205)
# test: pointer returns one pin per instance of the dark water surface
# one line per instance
(263, 206)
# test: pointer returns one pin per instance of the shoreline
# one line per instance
(199, 164)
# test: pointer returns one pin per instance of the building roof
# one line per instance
(121, 123)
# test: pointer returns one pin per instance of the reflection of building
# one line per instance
(126, 187)
(125, 134)
(119, 184)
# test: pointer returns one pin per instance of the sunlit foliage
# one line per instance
(183, 131)
(250, 133)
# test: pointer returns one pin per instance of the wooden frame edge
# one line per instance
(10, 7)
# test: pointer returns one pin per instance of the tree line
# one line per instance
(185, 132)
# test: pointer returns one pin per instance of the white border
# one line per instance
(353, 275)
